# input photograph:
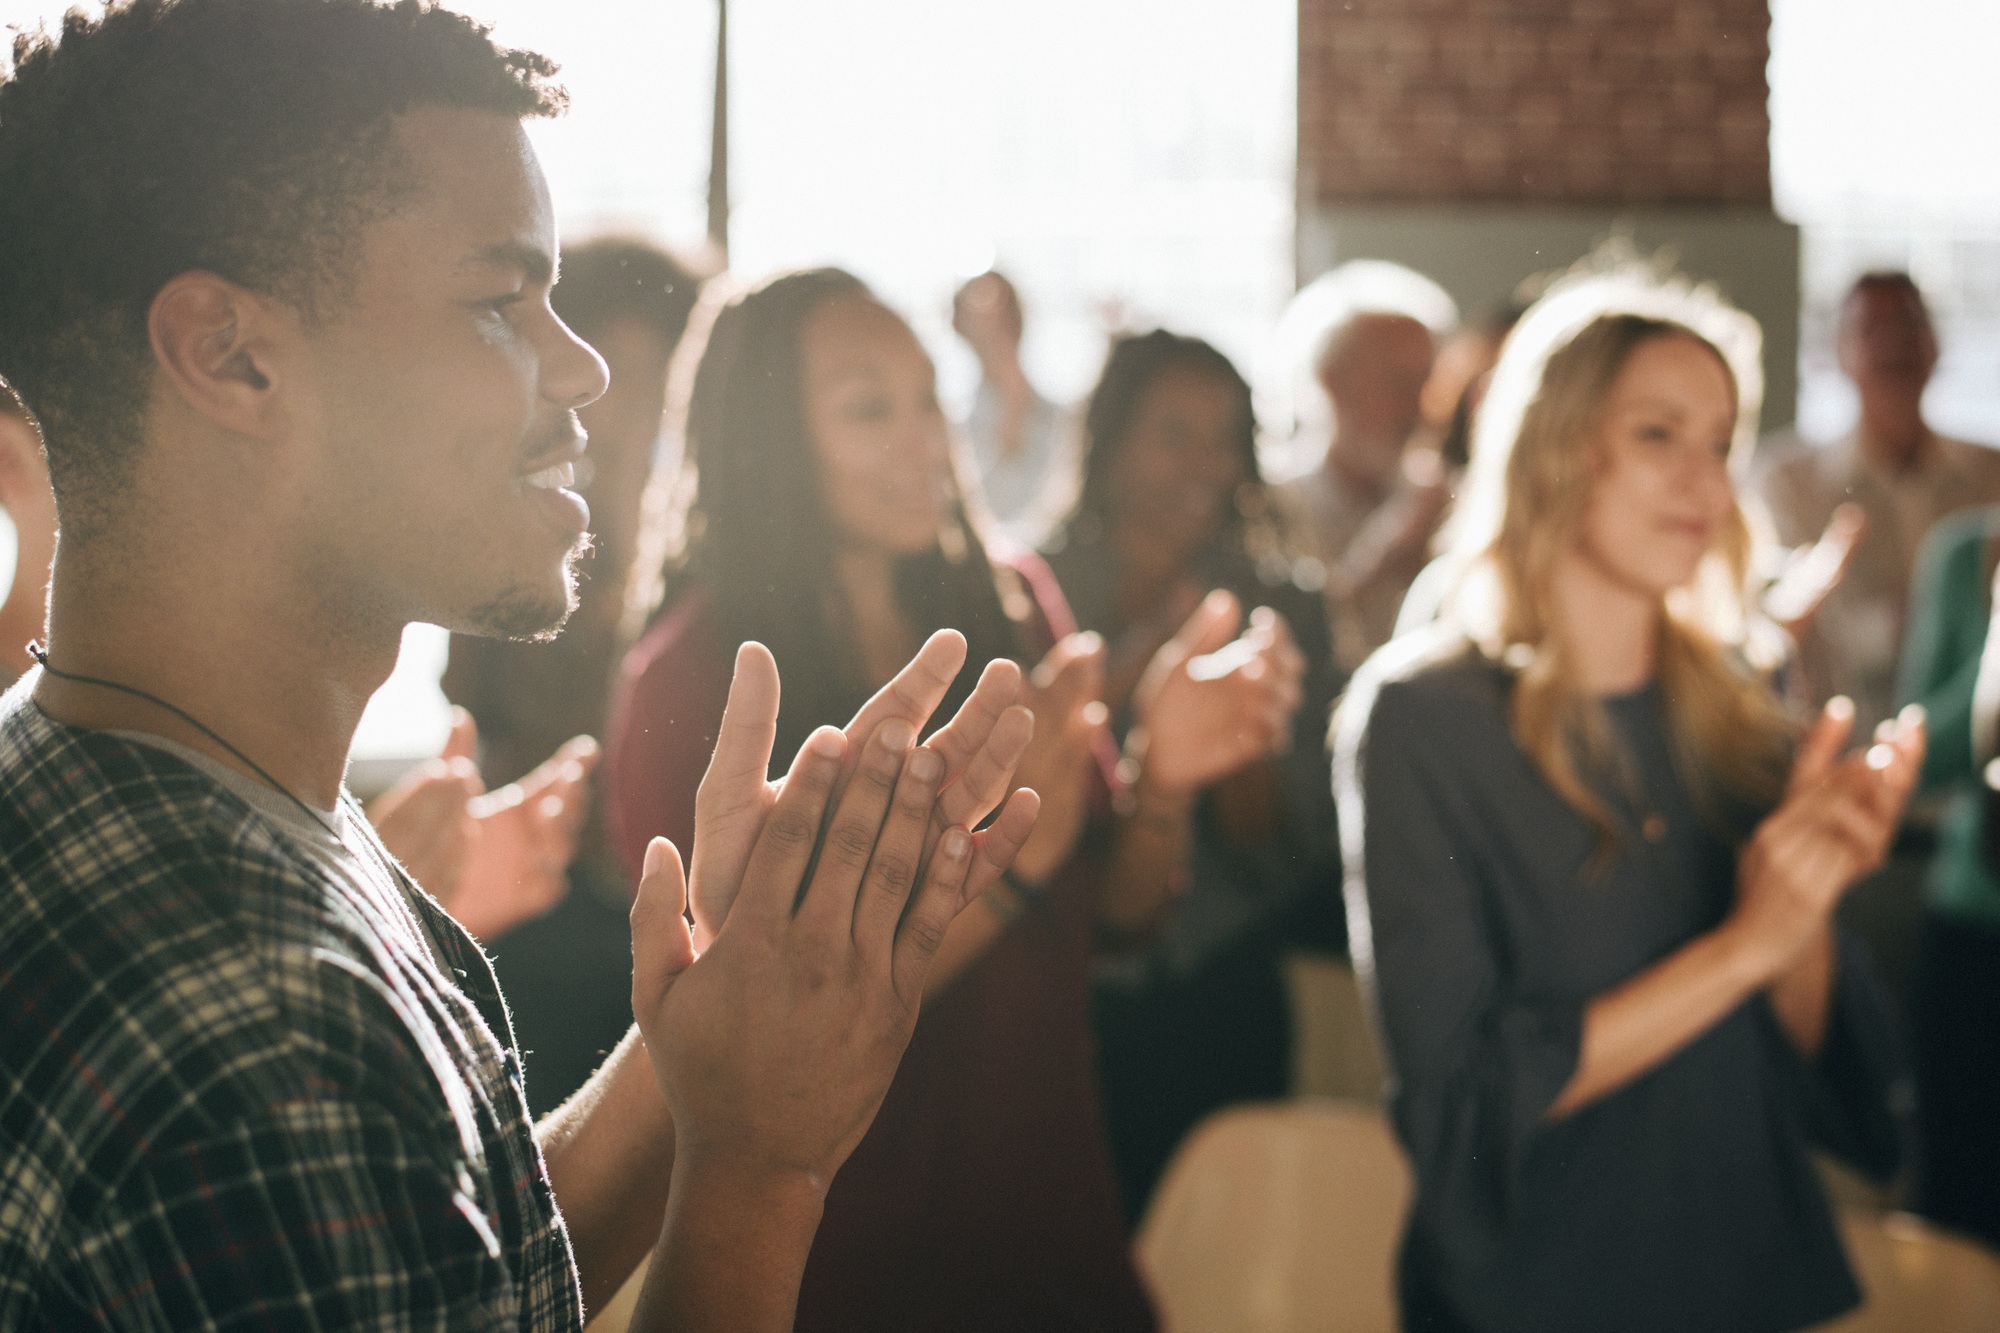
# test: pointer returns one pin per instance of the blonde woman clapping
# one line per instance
(1591, 865)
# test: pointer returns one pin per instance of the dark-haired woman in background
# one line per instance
(824, 521)
(1591, 868)
(1198, 1017)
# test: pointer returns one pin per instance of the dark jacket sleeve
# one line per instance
(1474, 1065)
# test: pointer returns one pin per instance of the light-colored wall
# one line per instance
(1480, 252)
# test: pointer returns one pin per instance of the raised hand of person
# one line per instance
(774, 1047)
(1794, 599)
(1211, 700)
(1835, 824)
(422, 817)
(980, 747)
(522, 839)
(1065, 692)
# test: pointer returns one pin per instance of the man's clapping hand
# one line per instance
(775, 1042)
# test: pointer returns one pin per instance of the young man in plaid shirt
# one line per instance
(274, 282)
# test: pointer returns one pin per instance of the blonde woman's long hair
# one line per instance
(1535, 463)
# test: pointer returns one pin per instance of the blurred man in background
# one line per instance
(1367, 513)
(1016, 435)
(1902, 474)
(1902, 477)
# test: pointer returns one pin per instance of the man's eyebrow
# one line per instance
(533, 261)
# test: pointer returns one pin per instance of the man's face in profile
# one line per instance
(438, 398)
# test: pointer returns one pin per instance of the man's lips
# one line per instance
(549, 476)
(558, 477)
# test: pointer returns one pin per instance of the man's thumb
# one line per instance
(662, 943)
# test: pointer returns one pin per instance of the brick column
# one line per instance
(1486, 139)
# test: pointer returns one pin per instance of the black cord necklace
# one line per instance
(41, 656)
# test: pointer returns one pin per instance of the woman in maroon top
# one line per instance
(825, 521)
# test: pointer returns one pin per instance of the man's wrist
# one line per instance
(708, 1174)
(734, 1245)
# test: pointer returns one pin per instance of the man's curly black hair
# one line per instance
(249, 138)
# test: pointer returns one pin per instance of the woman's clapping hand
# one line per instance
(1211, 700)
(1835, 824)
(1066, 693)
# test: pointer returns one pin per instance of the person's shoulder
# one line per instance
(171, 963)
(1969, 527)
(1432, 685)
(1978, 462)
(1799, 483)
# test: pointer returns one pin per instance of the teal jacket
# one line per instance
(1950, 605)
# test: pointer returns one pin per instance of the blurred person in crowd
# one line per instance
(30, 507)
(1366, 515)
(491, 859)
(1199, 1017)
(1893, 477)
(1592, 865)
(1903, 476)
(276, 288)
(1018, 438)
(1951, 666)
(567, 970)
(827, 523)
(1458, 381)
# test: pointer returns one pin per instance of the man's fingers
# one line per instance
(784, 847)
(913, 693)
(892, 870)
(964, 866)
(995, 846)
(958, 740)
(662, 946)
(986, 777)
(730, 804)
(850, 841)
(742, 760)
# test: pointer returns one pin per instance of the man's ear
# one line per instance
(216, 343)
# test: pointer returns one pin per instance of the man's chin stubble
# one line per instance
(527, 614)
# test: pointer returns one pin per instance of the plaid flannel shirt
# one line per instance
(233, 1093)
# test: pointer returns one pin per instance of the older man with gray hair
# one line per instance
(1365, 516)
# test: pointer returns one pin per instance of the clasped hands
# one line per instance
(776, 981)
(1209, 701)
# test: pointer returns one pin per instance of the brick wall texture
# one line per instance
(1587, 102)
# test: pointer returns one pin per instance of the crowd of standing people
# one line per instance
(888, 833)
